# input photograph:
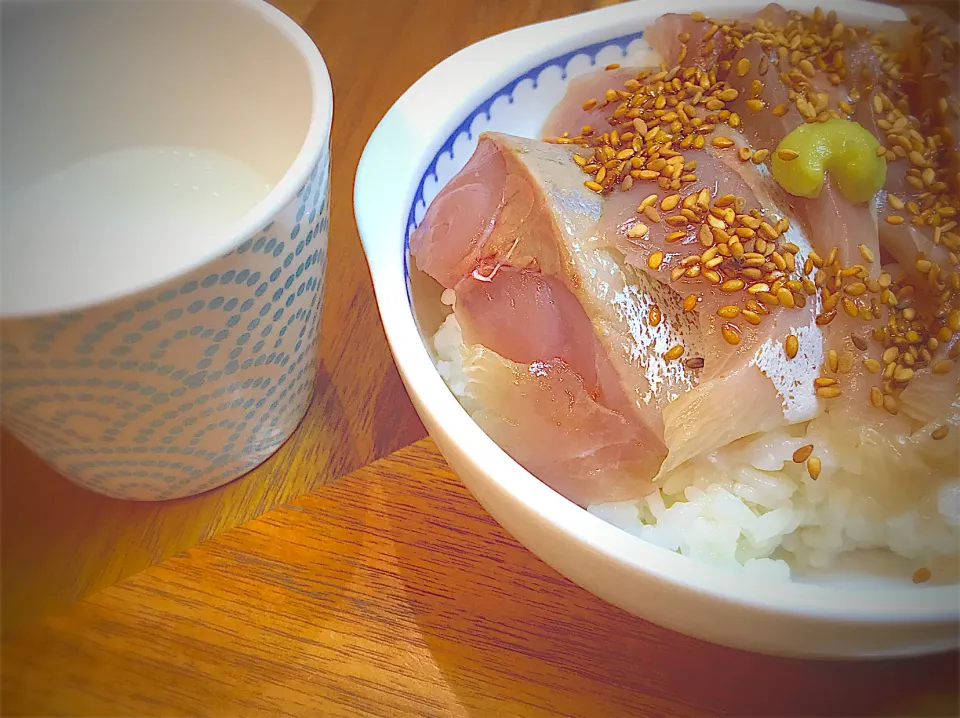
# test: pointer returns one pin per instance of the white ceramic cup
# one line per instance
(163, 237)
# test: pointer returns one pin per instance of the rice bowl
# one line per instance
(800, 521)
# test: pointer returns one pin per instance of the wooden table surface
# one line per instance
(389, 592)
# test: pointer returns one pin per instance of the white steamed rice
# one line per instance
(749, 507)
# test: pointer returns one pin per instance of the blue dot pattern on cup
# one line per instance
(184, 387)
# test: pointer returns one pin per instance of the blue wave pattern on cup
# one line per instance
(180, 389)
(461, 143)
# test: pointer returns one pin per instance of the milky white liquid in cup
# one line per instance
(117, 222)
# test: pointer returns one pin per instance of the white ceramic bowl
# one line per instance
(164, 222)
(509, 83)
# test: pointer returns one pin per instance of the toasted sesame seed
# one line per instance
(942, 367)
(833, 360)
(822, 381)
(828, 392)
(638, 231)
(722, 142)
(669, 203)
(743, 66)
(859, 342)
(802, 454)
(787, 155)
(893, 219)
(730, 333)
(850, 307)
(655, 260)
(940, 432)
(890, 404)
(752, 317)
(921, 575)
(889, 370)
(654, 316)
(690, 302)
(871, 365)
(594, 186)
(759, 156)
(792, 346)
(953, 320)
(754, 105)
(589, 104)
(728, 312)
(866, 253)
(728, 95)
(744, 153)
(876, 397)
(903, 374)
(813, 467)
(732, 285)
(675, 352)
(646, 202)
(785, 297)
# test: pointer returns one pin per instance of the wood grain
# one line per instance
(392, 593)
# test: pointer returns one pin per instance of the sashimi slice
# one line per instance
(594, 106)
(526, 317)
(544, 417)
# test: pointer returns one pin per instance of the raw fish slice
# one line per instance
(526, 317)
(570, 116)
(763, 131)
(564, 255)
(665, 33)
(833, 221)
(616, 298)
(931, 398)
(846, 335)
(488, 215)
(715, 169)
(782, 391)
(543, 416)
(718, 412)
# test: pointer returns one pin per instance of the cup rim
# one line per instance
(260, 215)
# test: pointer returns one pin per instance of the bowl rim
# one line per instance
(410, 136)
(261, 214)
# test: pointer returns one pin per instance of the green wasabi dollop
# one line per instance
(843, 148)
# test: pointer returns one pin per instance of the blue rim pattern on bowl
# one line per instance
(562, 61)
